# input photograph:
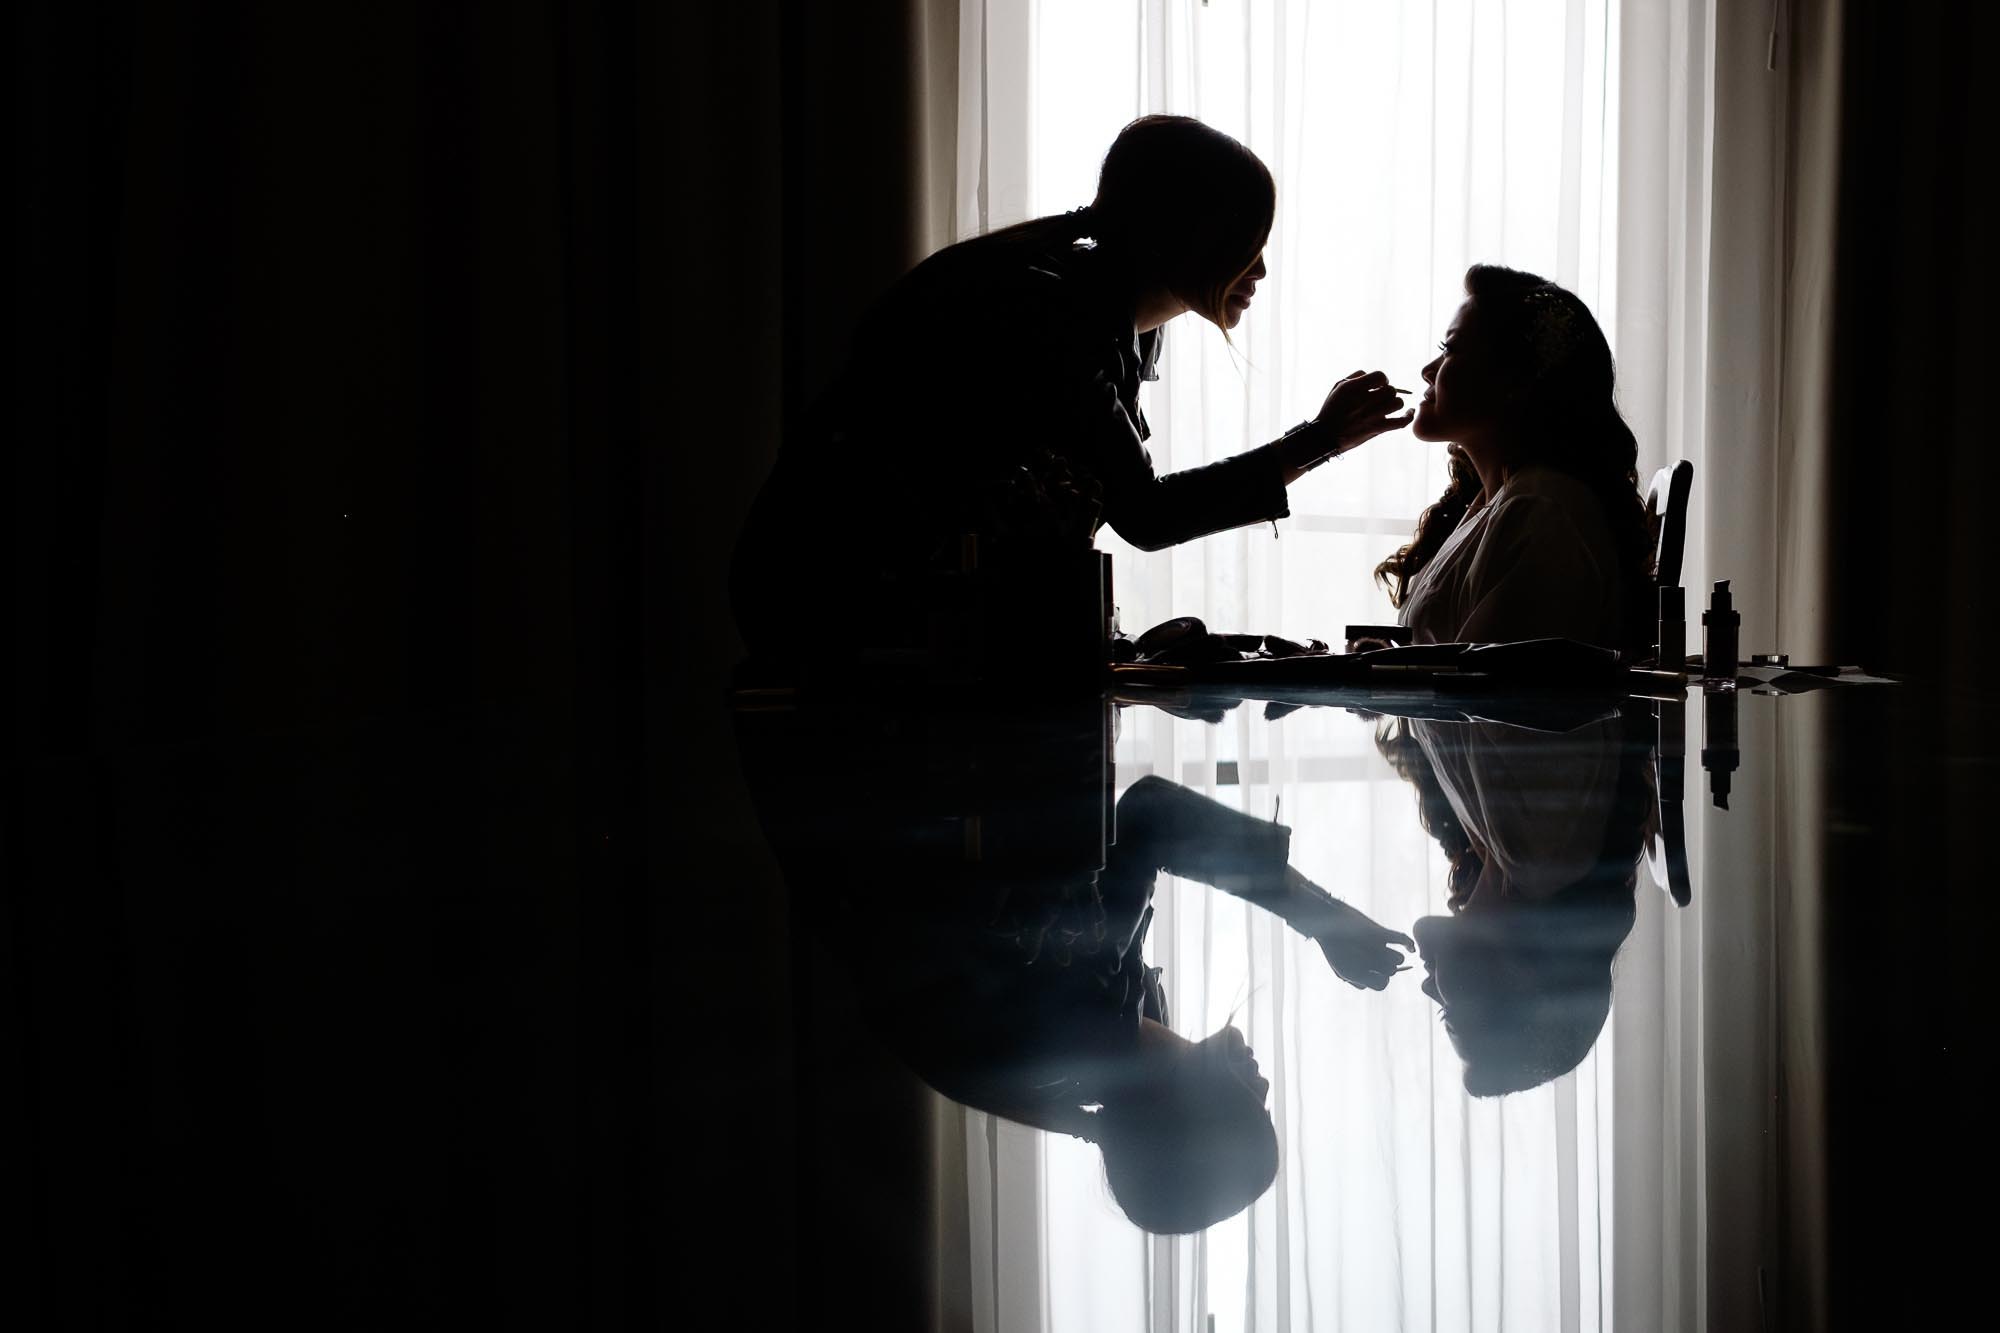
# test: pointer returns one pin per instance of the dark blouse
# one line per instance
(994, 391)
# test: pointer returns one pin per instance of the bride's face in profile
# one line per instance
(1462, 391)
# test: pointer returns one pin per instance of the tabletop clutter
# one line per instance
(1185, 650)
(1047, 623)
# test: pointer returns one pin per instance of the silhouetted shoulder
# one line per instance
(1542, 507)
(1536, 561)
(1548, 485)
(995, 305)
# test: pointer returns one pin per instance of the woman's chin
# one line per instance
(1425, 427)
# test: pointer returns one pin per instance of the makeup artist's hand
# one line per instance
(1360, 407)
(1358, 949)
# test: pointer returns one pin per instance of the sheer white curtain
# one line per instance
(1401, 1202)
(1659, 332)
(1408, 141)
(1573, 138)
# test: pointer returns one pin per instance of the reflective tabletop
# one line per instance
(1158, 1010)
(1337, 1010)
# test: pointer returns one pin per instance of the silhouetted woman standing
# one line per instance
(993, 392)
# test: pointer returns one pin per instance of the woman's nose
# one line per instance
(1257, 270)
(1430, 372)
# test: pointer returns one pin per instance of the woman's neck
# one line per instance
(1151, 303)
(1486, 461)
(1153, 307)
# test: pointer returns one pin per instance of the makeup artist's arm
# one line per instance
(1162, 823)
(1152, 511)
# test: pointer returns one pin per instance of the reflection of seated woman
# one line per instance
(1541, 533)
(1544, 832)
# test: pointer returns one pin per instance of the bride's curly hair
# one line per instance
(1564, 416)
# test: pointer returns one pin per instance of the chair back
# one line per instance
(1666, 519)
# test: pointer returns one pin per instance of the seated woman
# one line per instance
(1541, 533)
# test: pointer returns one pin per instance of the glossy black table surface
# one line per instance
(1150, 1011)
(1391, 1010)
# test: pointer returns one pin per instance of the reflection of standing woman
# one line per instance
(994, 391)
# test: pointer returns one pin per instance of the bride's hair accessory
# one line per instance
(1552, 326)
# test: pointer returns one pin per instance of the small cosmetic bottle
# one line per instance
(1720, 756)
(1672, 655)
(1719, 626)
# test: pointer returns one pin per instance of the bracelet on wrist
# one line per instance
(1332, 451)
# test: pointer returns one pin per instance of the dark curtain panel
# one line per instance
(1913, 587)
(854, 125)
(387, 937)
(328, 941)
(1915, 339)
(331, 365)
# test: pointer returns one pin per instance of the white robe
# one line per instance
(1536, 560)
(1538, 804)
